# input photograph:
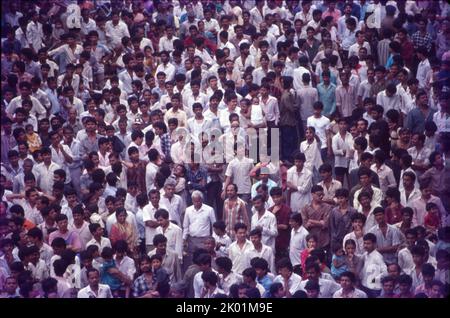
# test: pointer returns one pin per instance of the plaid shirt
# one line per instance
(166, 143)
(140, 286)
(419, 40)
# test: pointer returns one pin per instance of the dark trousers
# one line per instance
(213, 191)
(289, 141)
(371, 293)
(270, 125)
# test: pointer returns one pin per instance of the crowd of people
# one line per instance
(225, 149)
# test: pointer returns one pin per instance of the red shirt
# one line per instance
(432, 220)
(282, 216)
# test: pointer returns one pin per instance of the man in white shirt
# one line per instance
(424, 66)
(321, 124)
(409, 192)
(171, 231)
(327, 287)
(166, 41)
(291, 281)
(265, 221)
(341, 143)
(166, 67)
(297, 241)
(299, 182)
(94, 289)
(148, 216)
(348, 290)
(405, 258)
(34, 32)
(173, 202)
(116, 29)
(391, 99)
(45, 170)
(259, 250)
(238, 248)
(374, 268)
(197, 224)
(152, 168)
(299, 71)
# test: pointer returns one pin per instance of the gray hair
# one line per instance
(197, 194)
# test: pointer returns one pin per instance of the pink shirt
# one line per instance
(71, 238)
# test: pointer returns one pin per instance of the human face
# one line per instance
(255, 239)
(369, 246)
(197, 202)
(311, 244)
(379, 217)
(231, 191)
(145, 266)
(241, 235)
(10, 285)
(162, 221)
(426, 193)
(346, 283)
(350, 249)
(285, 272)
(317, 196)
(388, 288)
(121, 217)
(312, 274)
(435, 292)
(94, 279)
(154, 199)
(299, 164)
(258, 204)
(410, 239)
(312, 293)
(209, 245)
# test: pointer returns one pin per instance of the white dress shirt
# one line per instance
(103, 292)
(236, 254)
(174, 235)
(238, 170)
(266, 252)
(373, 271)
(175, 206)
(297, 244)
(327, 287)
(148, 214)
(46, 176)
(356, 293)
(268, 222)
(198, 223)
(422, 71)
(294, 282)
(303, 181)
(340, 144)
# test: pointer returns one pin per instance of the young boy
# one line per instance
(223, 241)
(105, 277)
(388, 284)
(263, 278)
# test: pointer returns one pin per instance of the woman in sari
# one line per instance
(123, 230)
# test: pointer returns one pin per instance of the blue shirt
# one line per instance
(266, 282)
(415, 120)
(270, 185)
(327, 95)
